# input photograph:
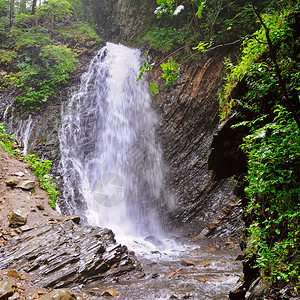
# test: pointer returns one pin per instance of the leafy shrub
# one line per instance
(274, 193)
(7, 56)
(254, 90)
(256, 69)
(78, 33)
(38, 63)
(28, 39)
(170, 71)
(52, 69)
(8, 143)
(166, 38)
(41, 169)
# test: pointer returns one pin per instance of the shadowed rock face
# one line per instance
(61, 254)
(189, 118)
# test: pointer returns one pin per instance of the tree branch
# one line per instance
(289, 103)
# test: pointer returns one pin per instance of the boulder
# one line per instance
(12, 182)
(7, 289)
(60, 294)
(27, 185)
(187, 262)
(155, 241)
(64, 253)
(18, 218)
(13, 273)
(40, 206)
(204, 263)
(19, 174)
(15, 296)
(110, 293)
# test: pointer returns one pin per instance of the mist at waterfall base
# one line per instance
(111, 164)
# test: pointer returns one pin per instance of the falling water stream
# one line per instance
(112, 164)
(113, 175)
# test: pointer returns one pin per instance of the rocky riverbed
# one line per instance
(46, 255)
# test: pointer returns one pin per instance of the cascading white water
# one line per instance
(112, 166)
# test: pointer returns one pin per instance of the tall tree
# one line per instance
(11, 23)
(33, 6)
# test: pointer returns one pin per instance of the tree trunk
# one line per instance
(52, 17)
(11, 24)
(33, 6)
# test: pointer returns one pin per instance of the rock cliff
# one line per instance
(189, 120)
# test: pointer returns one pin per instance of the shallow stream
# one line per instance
(206, 274)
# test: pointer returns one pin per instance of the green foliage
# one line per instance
(202, 46)
(32, 52)
(261, 90)
(165, 39)
(201, 4)
(78, 33)
(170, 71)
(41, 169)
(169, 7)
(29, 39)
(7, 56)
(40, 77)
(253, 89)
(53, 10)
(153, 88)
(8, 143)
(43, 67)
(274, 193)
(146, 67)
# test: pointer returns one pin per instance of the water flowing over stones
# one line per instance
(111, 163)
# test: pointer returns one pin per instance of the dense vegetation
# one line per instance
(263, 89)
(38, 47)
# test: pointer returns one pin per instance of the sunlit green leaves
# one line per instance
(170, 71)
(273, 191)
(202, 46)
(146, 67)
(201, 5)
(153, 88)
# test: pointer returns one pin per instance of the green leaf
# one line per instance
(201, 4)
(153, 88)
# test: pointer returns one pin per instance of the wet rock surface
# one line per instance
(188, 121)
(210, 277)
(226, 158)
(60, 254)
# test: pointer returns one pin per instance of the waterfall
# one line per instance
(112, 166)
